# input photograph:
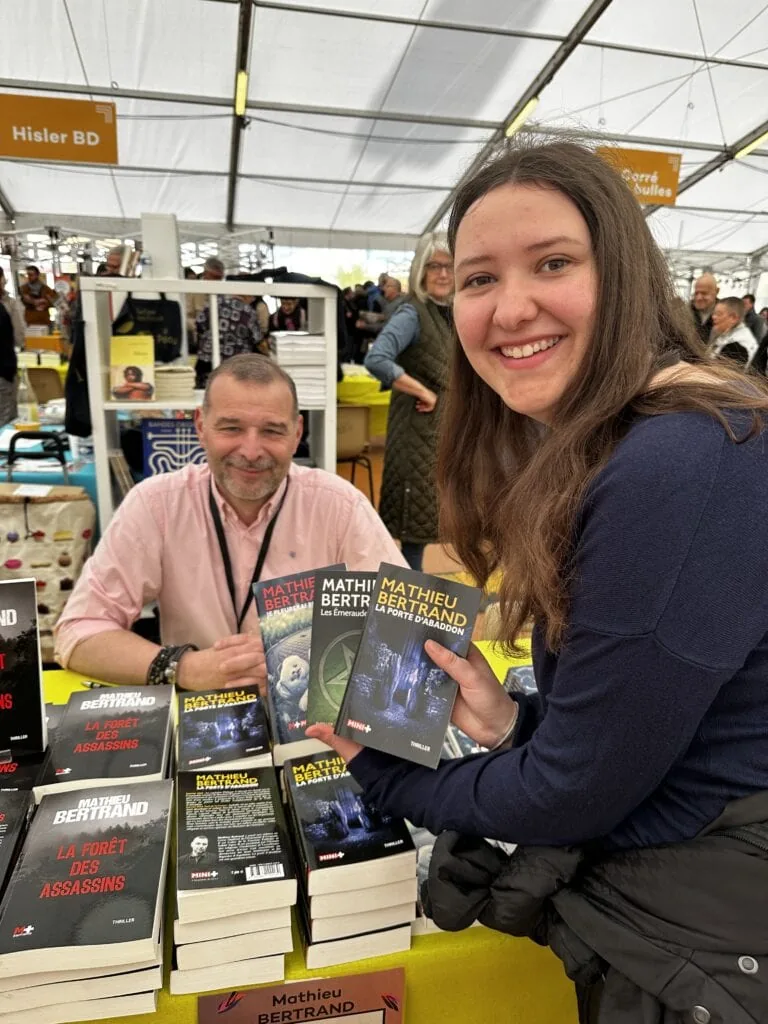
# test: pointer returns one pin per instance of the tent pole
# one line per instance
(544, 77)
(239, 121)
(715, 164)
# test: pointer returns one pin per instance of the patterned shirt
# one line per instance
(238, 329)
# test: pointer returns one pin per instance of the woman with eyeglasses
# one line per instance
(410, 355)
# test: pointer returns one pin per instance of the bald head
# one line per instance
(705, 293)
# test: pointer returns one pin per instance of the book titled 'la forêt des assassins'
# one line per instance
(22, 705)
(285, 605)
(88, 887)
(397, 700)
(378, 997)
(342, 599)
(107, 736)
(342, 842)
(222, 728)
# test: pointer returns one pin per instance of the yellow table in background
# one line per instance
(363, 389)
(471, 977)
(46, 359)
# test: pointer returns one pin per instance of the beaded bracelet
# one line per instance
(158, 671)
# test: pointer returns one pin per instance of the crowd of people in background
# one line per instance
(730, 326)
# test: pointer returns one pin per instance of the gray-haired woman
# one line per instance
(411, 355)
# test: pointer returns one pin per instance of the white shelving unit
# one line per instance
(96, 292)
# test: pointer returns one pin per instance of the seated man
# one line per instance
(196, 539)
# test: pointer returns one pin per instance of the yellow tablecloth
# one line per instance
(472, 977)
(363, 389)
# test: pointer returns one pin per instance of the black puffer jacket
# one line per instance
(678, 933)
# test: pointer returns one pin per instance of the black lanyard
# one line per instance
(262, 556)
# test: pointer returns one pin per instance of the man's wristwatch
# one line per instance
(165, 666)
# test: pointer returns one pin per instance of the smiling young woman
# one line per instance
(618, 477)
(552, 251)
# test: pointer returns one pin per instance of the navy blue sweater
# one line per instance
(654, 714)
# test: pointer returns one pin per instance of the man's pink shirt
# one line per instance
(161, 545)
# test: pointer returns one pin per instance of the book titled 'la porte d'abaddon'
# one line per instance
(397, 700)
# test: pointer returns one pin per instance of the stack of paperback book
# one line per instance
(81, 919)
(357, 869)
(109, 735)
(235, 881)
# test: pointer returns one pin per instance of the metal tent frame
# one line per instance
(421, 110)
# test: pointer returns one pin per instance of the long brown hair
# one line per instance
(511, 490)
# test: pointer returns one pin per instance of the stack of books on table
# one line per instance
(235, 881)
(357, 869)
(81, 919)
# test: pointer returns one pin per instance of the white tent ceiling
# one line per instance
(361, 119)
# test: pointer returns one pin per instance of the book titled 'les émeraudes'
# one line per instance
(88, 888)
(222, 727)
(342, 599)
(22, 708)
(397, 700)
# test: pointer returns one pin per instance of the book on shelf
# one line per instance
(267, 919)
(132, 368)
(397, 700)
(88, 885)
(376, 996)
(259, 970)
(22, 704)
(110, 736)
(15, 812)
(210, 952)
(169, 444)
(342, 843)
(87, 1010)
(232, 844)
(356, 947)
(121, 473)
(285, 605)
(342, 599)
(222, 729)
(103, 987)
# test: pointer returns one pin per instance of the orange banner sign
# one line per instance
(652, 176)
(41, 128)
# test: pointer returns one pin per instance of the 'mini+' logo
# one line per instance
(23, 930)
